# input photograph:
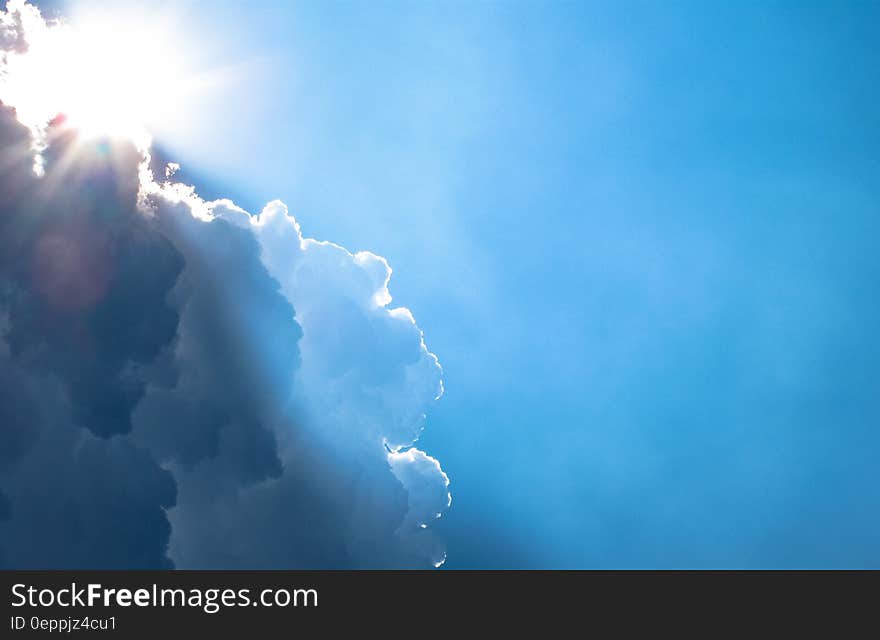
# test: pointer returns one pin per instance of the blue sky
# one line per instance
(639, 236)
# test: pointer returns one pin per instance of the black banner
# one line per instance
(156, 604)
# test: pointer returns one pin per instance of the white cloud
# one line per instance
(14, 24)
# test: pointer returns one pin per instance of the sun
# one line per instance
(106, 83)
(108, 77)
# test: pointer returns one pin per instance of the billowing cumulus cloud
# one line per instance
(82, 322)
(183, 383)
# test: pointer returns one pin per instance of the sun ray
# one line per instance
(110, 75)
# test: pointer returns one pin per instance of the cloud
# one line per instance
(184, 383)
(83, 281)
(12, 26)
(340, 389)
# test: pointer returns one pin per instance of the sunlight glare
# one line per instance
(106, 77)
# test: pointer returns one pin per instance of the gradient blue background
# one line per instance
(640, 236)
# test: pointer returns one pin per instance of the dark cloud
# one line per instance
(183, 383)
(81, 267)
(101, 504)
(234, 357)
